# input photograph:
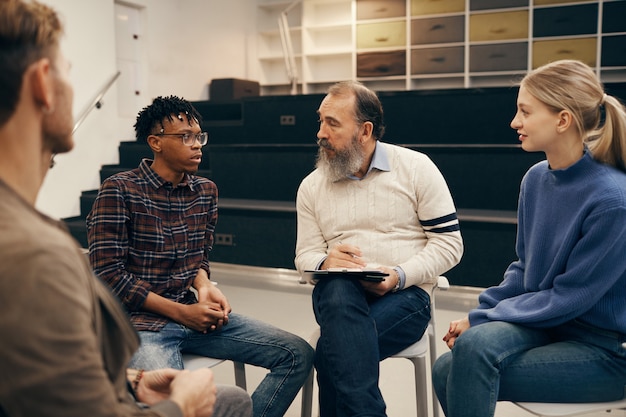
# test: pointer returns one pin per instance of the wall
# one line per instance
(187, 42)
(89, 45)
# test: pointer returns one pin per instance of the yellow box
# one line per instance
(583, 49)
(423, 7)
(381, 35)
(499, 26)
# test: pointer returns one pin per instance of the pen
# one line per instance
(349, 253)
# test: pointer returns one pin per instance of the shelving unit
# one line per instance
(328, 43)
(394, 45)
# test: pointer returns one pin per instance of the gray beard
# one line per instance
(345, 162)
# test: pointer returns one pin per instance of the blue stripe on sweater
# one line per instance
(439, 220)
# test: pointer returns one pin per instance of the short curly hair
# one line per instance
(150, 118)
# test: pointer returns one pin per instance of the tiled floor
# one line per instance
(275, 296)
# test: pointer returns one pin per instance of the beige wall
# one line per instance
(187, 43)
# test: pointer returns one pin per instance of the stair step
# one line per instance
(78, 229)
(86, 202)
(131, 153)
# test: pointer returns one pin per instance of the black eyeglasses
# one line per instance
(189, 138)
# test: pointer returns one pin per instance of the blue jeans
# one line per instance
(288, 357)
(357, 331)
(502, 361)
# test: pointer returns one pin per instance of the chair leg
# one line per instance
(433, 357)
(421, 390)
(307, 396)
(240, 375)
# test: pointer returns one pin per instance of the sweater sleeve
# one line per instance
(591, 272)
(311, 247)
(437, 216)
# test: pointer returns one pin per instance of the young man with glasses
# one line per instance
(150, 232)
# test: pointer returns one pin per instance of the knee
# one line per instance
(473, 340)
(307, 353)
(232, 401)
(336, 294)
(297, 352)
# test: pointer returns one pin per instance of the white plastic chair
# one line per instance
(565, 410)
(192, 362)
(416, 353)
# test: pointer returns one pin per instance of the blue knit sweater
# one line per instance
(571, 244)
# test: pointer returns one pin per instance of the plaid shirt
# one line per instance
(147, 235)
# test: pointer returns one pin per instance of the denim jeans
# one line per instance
(288, 357)
(503, 361)
(357, 331)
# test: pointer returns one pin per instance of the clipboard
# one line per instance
(371, 275)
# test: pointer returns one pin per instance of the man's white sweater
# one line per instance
(402, 217)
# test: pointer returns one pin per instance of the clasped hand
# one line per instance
(454, 331)
(194, 392)
(211, 311)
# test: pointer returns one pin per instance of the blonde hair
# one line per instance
(573, 86)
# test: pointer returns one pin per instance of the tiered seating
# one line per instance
(465, 132)
(257, 164)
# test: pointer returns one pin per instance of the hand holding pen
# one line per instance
(344, 255)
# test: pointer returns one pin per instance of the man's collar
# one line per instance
(380, 161)
(155, 179)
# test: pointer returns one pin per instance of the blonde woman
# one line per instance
(554, 330)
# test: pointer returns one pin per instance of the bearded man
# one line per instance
(373, 205)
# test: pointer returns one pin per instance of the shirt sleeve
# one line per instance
(210, 235)
(107, 235)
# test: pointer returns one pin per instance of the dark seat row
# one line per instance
(479, 177)
(258, 164)
(262, 232)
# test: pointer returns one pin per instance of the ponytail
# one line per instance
(608, 143)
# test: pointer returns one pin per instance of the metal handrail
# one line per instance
(95, 103)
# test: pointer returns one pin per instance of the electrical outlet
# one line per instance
(224, 239)
(287, 120)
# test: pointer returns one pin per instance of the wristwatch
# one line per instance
(397, 287)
